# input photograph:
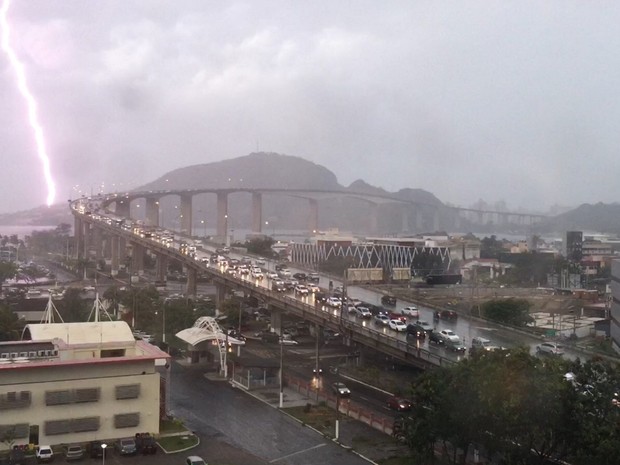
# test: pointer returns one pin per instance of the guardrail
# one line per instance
(357, 332)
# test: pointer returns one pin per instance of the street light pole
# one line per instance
(103, 448)
(281, 370)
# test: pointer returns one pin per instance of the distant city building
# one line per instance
(614, 326)
(572, 246)
(78, 382)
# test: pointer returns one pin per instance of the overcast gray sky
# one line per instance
(515, 101)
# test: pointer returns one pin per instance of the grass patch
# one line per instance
(319, 417)
(171, 426)
(177, 443)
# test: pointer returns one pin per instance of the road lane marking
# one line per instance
(297, 453)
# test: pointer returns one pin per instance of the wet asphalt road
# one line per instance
(217, 412)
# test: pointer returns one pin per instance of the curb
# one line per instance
(343, 446)
(189, 433)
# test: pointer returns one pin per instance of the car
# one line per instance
(285, 273)
(278, 286)
(44, 453)
(287, 341)
(455, 345)
(335, 302)
(340, 389)
(313, 277)
(424, 325)
(397, 316)
(260, 262)
(415, 331)
(445, 315)
(300, 289)
(363, 312)
(195, 460)
(435, 338)
(74, 452)
(550, 348)
(257, 273)
(94, 449)
(272, 275)
(399, 404)
(243, 269)
(313, 288)
(481, 344)
(300, 276)
(411, 311)
(397, 325)
(126, 446)
(388, 300)
(449, 335)
(382, 319)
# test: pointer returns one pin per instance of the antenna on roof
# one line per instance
(51, 312)
(98, 309)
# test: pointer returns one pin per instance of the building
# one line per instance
(77, 382)
(572, 246)
(614, 324)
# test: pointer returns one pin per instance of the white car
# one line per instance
(272, 275)
(44, 453)
(313, 288)
(288, 342)
(410, 311)
(382, 319)
(363, 312)
(550, 348)
(257, 273)
(335, 302)
(301, 289)
(449, 335)
(397, 325)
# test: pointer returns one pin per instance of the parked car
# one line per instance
(340, 389)
(550, 348)
(388, 300)
(44, 454)
(288, 341)
(146, 444)
(399, 404)
(397, 325)
(456, 345)
(449, 335)
(415, 331)
(411, 311)
(126, 446)
(195, 460)
(382, 319)
(94, 449)
(363, 312)
(74, 452)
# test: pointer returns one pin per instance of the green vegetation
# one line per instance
(518, 408)
(514, 312)
(260, 246)
(320, 417)
(178, 443)
(171, 426)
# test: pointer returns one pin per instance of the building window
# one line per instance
(11, 400)
(127, 391)
(71, 396)
(72, 425)
(18, 431)
(127, 420)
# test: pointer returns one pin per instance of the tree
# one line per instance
(490, 247)
(72, 307)
(260, 246)
(8, 270)
(512, 311)
(10, 325)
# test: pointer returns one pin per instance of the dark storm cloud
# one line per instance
(495, 100)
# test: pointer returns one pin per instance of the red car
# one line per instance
(397, 316)
(399, 404)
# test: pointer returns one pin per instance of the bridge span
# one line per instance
(90, 228)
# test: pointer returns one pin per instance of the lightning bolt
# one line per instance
(33, 119)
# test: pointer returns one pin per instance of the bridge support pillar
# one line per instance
(313, 217)
(457, 220)
(257, 212)
(78, 235)
(162, 267)
(436, 219)
(107, 249)
(404, 225)
(97, 242)
(191, 281)
(123, 207)
(222, 216)
(152, 212)
(186, 214)
(115, 242)
(276, 320)
(87, 239)
(137, 260)
(373, 217)
(419, 220)
(480, 217)
(220, 295)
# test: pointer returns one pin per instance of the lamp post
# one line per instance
(103, 448)
(281, 369)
